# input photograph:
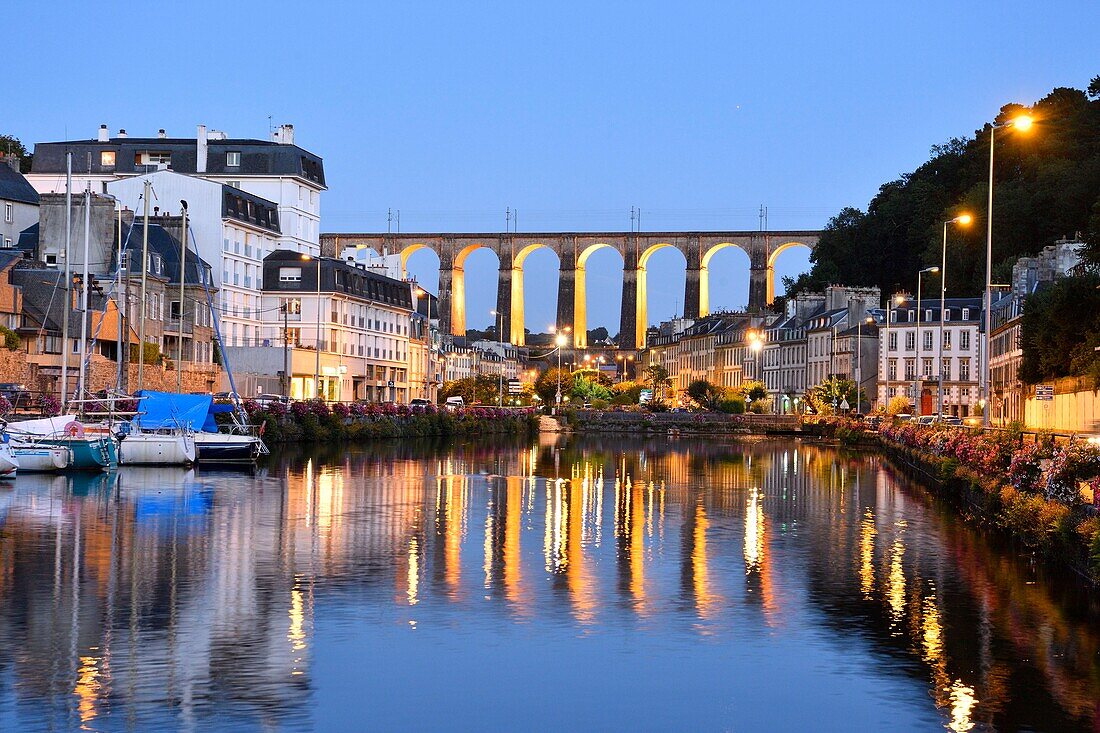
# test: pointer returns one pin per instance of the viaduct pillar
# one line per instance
(628, 318)
(506, 281)
(760, 274)
(694, 307)
(567, 287)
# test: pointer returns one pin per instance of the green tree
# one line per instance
(754, 390)
(546, 386)
(705, 394)
(479, 389)
(11, 145)
(656, 379)
(1060, 330)
(588, 390)
(833, 389)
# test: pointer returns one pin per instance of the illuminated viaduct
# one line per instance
(573, 250)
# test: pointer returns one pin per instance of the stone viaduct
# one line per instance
(573, 250)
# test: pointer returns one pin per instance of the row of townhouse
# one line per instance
(843, 332)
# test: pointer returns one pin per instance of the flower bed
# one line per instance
(313, 420)
(1045, 494)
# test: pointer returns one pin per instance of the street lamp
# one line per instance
(962, 220)
(317, 340)
(500, 341)
(1022, 123)
(916, 372)
(559, 341)
(895, 300)
(859, 359)
(756, 344)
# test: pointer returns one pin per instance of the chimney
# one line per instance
(160, 133)
(284, 135)
(122, 133)
(201, 149)
(104, 136)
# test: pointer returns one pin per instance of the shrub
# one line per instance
(11, 338)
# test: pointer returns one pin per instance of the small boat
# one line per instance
(87, 451)
(9, 464)
(156, 448)
(195, 414)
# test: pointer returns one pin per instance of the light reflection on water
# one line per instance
(617, 584)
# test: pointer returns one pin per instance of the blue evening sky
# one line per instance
(569, 112)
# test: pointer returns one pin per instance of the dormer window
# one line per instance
(966, 314)
(233, 159)
(152, 158)
(107, 158)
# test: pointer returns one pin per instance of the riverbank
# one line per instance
(635, 422)
(317, 421)
(1040, 493)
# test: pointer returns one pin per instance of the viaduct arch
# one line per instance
(573, 250)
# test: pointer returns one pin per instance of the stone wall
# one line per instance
(1074, 409)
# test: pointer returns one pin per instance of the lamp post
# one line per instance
(963, 220)
(916, 372)
(895, 300)
(317, 340)
(859, 360)
(1022, 123)
(559, 341)
(500, 342)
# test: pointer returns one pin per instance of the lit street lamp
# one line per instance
(1022, 123)
(559, 341)
(917, 371)
(963, 220)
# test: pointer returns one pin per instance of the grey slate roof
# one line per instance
(14, 187)
(258, 157)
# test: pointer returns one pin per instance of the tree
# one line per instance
(626, 393)
(832, 390)
(587, 390)
(899, 405)
(1060, 330)
(11, 145)
(480, 389)
(704, 394)
(1047, 185)
(656, 379)
(754, 390)
(546, 387)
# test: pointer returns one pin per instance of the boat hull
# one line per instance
(154, 449)
(222, 448)
(9, 464)
(41, 458)
(87, 454)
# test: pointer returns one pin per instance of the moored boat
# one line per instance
(160, 448)
(87, 451)
(39, 457)
(9, 464)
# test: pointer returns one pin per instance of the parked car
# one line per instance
(455, 403)
(903, 417)
(925, 420)
(270, 400)
(419, 402)
(17, 394)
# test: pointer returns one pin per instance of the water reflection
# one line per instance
(159, 598)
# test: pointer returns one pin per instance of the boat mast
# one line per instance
(68, 305)
(183, 269)
(82, 373)
(120, 308)
(144, 288)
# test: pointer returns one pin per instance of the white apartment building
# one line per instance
(912, 355)
(18, 202)
(232, 230)
(276, 170)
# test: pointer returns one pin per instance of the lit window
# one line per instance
(107, 158)
(233, 159)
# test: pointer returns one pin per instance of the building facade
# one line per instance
(18, 202)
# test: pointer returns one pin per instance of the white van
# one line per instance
(455, 402)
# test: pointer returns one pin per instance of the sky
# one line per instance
(569, 113)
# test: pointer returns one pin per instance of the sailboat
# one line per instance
(84, 451)
(161, 433)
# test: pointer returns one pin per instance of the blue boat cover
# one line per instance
(170, 410)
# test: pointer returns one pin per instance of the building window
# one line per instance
(966, 314)
(894, 341)
(233, 159)
(290, 274)
(947, 339)
(945, 369)
(152, 157)
(107, 158)
(9, 213)
(927, 340)
(926, 368)
(910, 340)
(964, 340)
(893, 369)
(292, 306)
(233, 184)
(964, 370)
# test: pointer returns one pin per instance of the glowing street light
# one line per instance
(961, 220)
(1022, 123)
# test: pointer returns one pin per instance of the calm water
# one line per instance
(603, 585)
